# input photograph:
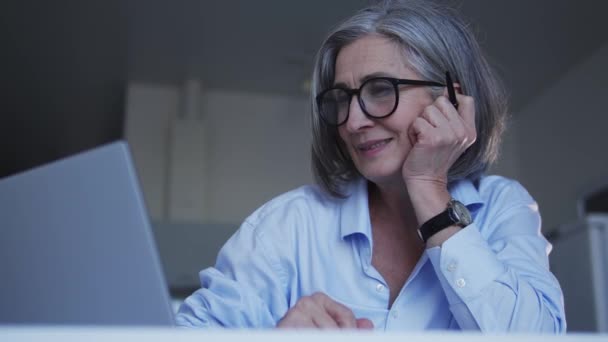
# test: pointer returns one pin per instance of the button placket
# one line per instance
(395, 314)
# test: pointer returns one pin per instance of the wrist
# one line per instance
(426, 181)
(441, 227)
(428, 198)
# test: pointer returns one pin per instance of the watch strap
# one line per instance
(436, 224)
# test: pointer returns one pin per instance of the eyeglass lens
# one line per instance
(377, 97)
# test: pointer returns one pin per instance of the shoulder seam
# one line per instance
(272, 261)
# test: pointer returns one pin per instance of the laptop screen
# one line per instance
(76, 245)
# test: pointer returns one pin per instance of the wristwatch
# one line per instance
(456, 214)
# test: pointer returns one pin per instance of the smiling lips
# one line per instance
(373, 145)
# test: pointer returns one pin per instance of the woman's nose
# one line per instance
(356, 117)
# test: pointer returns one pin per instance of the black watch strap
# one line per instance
(456, 214)
(435, 225)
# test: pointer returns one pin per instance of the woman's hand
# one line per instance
(321, 312)
(438, 137)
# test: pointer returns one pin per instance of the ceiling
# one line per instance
(268, 45)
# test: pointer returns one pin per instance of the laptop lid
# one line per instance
(76, 245)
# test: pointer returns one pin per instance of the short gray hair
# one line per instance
(435, 40)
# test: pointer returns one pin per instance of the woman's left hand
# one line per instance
(439, 136)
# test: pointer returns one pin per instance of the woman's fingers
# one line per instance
(343, 316)
(466, 110)
(322, 320)
(420, 131)
(439, 136)
(461, 121)
(461, 135)
(435, 117)
(364, 323)
(322, 312)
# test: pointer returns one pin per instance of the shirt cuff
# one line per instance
(465, 265)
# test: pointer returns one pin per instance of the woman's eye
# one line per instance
(342, 98)
(380, 90)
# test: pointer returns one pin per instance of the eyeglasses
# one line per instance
(378, 98)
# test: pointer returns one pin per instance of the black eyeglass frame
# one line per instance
(396, 82)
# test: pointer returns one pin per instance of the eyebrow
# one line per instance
(365, 78)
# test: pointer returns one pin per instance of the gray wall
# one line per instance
(560, 140)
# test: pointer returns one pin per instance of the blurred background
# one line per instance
(213, 100)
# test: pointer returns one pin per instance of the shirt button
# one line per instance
(379, 287)
(395, 314)
(461, 283)
(452, 267)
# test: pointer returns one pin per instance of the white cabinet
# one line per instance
(580, 262)
(166, 132)
(211, 156)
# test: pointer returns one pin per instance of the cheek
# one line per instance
(413, 105)
(408, 112)
(401, 122)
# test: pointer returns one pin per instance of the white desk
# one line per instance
(93, 334)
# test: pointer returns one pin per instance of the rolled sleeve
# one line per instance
(458, 263)
(495, 272)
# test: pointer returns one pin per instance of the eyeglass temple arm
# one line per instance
(449, 84)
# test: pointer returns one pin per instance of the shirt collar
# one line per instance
(354, 212)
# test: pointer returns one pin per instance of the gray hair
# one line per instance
(435, 40)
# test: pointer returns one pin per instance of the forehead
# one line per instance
(368, 55)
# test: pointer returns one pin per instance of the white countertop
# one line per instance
(117, 334)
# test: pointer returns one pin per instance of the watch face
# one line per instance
(461, 213)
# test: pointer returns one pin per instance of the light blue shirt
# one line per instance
(493, 275)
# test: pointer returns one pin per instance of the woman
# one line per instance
(403, 230)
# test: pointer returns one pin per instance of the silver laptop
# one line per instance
(76, 245)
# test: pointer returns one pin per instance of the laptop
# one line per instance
(76, 246)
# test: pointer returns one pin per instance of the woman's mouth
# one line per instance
(372, 146)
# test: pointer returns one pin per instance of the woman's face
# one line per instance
(378, 147)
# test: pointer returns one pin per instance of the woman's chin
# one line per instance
(382, 176)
